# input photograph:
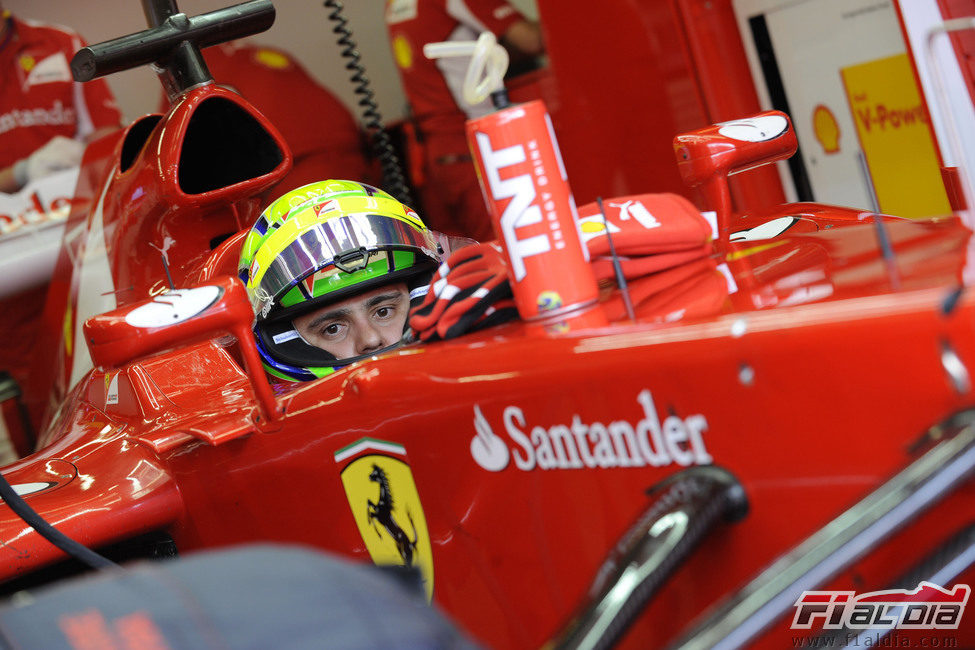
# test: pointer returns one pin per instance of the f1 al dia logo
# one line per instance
(929, 607)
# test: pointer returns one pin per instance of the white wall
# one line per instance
(301, 27)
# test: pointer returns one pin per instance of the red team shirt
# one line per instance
(38, 97)
(451, 196)
(39, 100)
(433, 87)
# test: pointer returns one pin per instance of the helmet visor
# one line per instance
(334, 255)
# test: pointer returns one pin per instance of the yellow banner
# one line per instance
(895, 137)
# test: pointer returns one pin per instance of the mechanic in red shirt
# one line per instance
(45, 116)
(324, 138)
(449, 191)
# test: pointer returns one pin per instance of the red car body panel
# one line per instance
(809, 363)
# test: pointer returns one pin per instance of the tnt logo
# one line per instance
(929, 607)
(521, 210)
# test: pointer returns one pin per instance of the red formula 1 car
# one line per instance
(790, 415)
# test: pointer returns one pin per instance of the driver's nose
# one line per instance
(368, 339)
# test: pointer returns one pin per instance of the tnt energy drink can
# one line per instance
(527, 193)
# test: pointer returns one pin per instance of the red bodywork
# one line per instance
(807, 363)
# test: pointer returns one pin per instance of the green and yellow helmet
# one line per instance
(325, 250)
(282, 207)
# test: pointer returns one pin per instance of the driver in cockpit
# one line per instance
(332, 269)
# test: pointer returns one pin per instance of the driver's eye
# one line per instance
(331, 330)
(383, 312)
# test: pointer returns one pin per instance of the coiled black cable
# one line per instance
(394, 179)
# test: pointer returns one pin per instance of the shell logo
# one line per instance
(272, 59)
(403, 52)
(592, 227)
(826, 128)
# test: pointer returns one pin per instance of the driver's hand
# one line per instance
(59, 153)
(469, 292)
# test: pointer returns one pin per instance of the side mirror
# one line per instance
(708, 156)
(177, 318)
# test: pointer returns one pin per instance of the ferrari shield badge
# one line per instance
(386, 505)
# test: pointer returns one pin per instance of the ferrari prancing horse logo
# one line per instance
(386, 507)
(382, 511)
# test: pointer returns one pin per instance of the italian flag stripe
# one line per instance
(364, 444)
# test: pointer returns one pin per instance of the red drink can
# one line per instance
(527, 193)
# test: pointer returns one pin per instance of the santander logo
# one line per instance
(578, 444)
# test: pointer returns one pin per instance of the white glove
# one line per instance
(59, 153)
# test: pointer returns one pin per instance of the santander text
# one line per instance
(617, 444)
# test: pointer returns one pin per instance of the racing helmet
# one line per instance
(281, 208)
(325, 250)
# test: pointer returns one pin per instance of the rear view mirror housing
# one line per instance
(178, 318)
(707, 157)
